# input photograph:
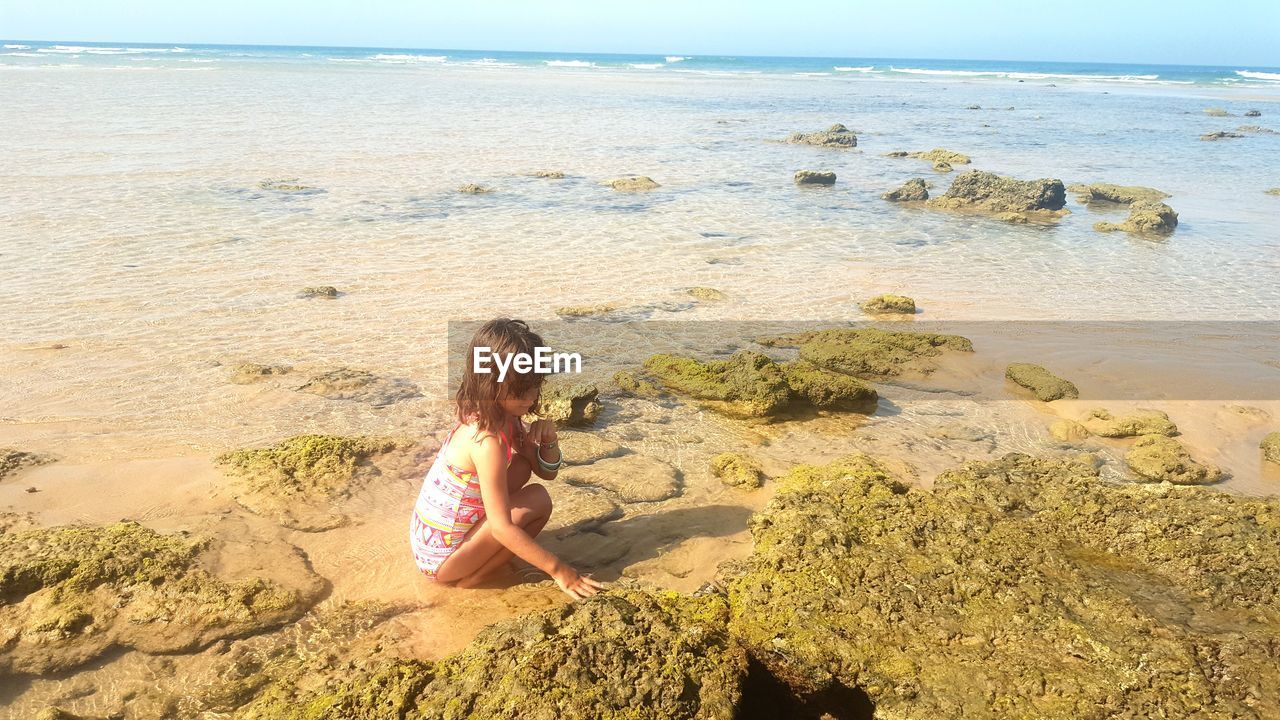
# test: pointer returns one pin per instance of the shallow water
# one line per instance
(141, 260)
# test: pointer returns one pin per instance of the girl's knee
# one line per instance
(537, 498)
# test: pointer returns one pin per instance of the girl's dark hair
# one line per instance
(479, 395)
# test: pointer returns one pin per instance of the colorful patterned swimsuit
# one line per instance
(448, 506)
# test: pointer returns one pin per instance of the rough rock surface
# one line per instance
(550, 174)
(1068, 431)
(748, 384)
(299, 480)
(579, 509)
(1157, 458)
(324, 292)
(836, 136)
(1216, 112)
(1271, 447)
(828, 390)
(11, 461)
(1143, 422)
(584, 448)
(628, 383)
(913, 190)
(568, 403)
(815, 177)
(637, 182)
(737, 470)
(248, 373)
(1046, 386)
(474, 189)
(360, 386)
(633, 478)
(986, 192)
(287, 185)
(1221, 135)
(942, 166)
(1253, 113)
(1119, 194)
(579, 311)
(621, 655)
(69, 594)
(1024, 587)
(890, 304)
(1145, 218)
(937, 155)
(707, 293)
(870, 352)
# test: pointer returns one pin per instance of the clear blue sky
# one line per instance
(1243, 32)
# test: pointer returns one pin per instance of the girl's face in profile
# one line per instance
(520, 405)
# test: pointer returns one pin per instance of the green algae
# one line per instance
(1145, 218)
(1102, 423)
(942, 155)
(1005, 198)
(1046, 386)
(569, 403)
(69, 594)
(707, 293)
(890, 304)
(836, 136)
(1271, 447)
(1157, 458)
(870, 352)
(628, 383)
(581, 311)
(737, 470)
(814, 177)
(747, 384)
(1118, 194)
(826, 390)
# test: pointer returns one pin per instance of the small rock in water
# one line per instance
(814, 177)
(1216, 112)
(974, 107)
(1068, 431)
(1005, 198)
(1253, 113)
(1157, 458)
(913, 190)
(836, 136)
(1145, 218)
(942, 166)
(890, 304)
(325, 292)
(630, 184)
(1046, 386)
(937, 155)
(549, 174)
(288, 185)
(737, 470)
(247, 373)
(567, 403)
(1273, 191)
(361, 386)
(1119, 194)
(474, 189)
(706, 293)
(1143, 422)
(1220, 135)
(580, 311)
(628, 383)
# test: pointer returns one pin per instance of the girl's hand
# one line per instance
(542, 432)
(578, 586)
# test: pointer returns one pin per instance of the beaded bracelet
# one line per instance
(550, 467)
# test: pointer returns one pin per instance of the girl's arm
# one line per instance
(490, 461)
(540, 440)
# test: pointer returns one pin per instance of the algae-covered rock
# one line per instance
(942, 166)
(815, 177)
(1216, 112)
(631, 184)
(550, 174)
(628, 383)
(1158, 458)
(1253, 113)
(248, 373)
(836, 136)
(890, 304)
(748, 384)
(474, 189)
(706, 293)
(1024, 587)
(737, 470)
(633, 478)
(1221, 135)
(1068, 431)
(286, 185)
(827, 390)
(986, 192)
(584, 448)
(1272, 191)
(298, 481)
(1143, 422)
(1145, 218)
(943, 155)
(619, 655)
(1046, 386)
(360, 386)
(870, 352)
(568, 403)
(897, 154)
(913, 190)
(1271, 447)
(323, 292)
(11, 461)
(581, 311)
(1257, 130)
(69, 594)
(1119, 194)
(579, 509)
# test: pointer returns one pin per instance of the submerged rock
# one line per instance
(1143, 422)
(815, 177)
(299, 480)
(1046, 386)
(550, 174)
(1068, 431)
(1157, 458)
(1221, 135)
(737, 470)
(247, 373)
(706, 293)
(913, 190)
(12, 461)
(1256, 130)
(584, 448)
(980, 191)
(632, 478)
(1119, 194)
(569, 403)
(836, 136)
(1271, 447)
(474, 189)
(360, 386)
(581, 311)
(630, 184)
(1145, 218)
(620, 654)
(286, 185)
(1273, 191)
(1216, 112)
(748, 384)
(1253, 113)
(628, 383)
(325, 292)
(579, 509)
(826, 390)
(70, 594)
(1024, 587)
(870, 352)
(890, 304)
(942, 166)
(942, 155)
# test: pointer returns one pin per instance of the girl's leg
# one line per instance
(481, 553)
(518, 473)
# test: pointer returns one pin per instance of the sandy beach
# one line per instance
(165, 306)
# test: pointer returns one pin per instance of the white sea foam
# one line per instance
(676, 58)
(1254, 75)
(646, 66)
(17, 47)
(847, 68)
(569, 63)
(406, 59)
(68, 49)
(813, 74)
(21, 54)
(1015, 75)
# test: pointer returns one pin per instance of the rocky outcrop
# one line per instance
(815, 177)
(836, 136)
(1009, 199)
(1221, 135)
(1046, 386)
(568, 403)
(1156, 458)
(937, 155)
(1143, 422)
(1024, 587)
(474, 189)
(1216, 112)
(549, 174)
(1068, 431)
(70, 594)
(737, 470)
(821, 389)
(299, 481)
(634, 183)
(634, 386)
(1253, 113)
(890, 305)
(1145, 218)
(870, 352)
(13, 461)
(360, 386)
(1271, 447)
(322, 292)
(913, 190)
(1119, 194)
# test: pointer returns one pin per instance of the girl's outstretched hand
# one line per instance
(578, 586)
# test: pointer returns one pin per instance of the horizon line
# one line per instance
(630, 54)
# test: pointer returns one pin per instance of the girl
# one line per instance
(477, 507)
